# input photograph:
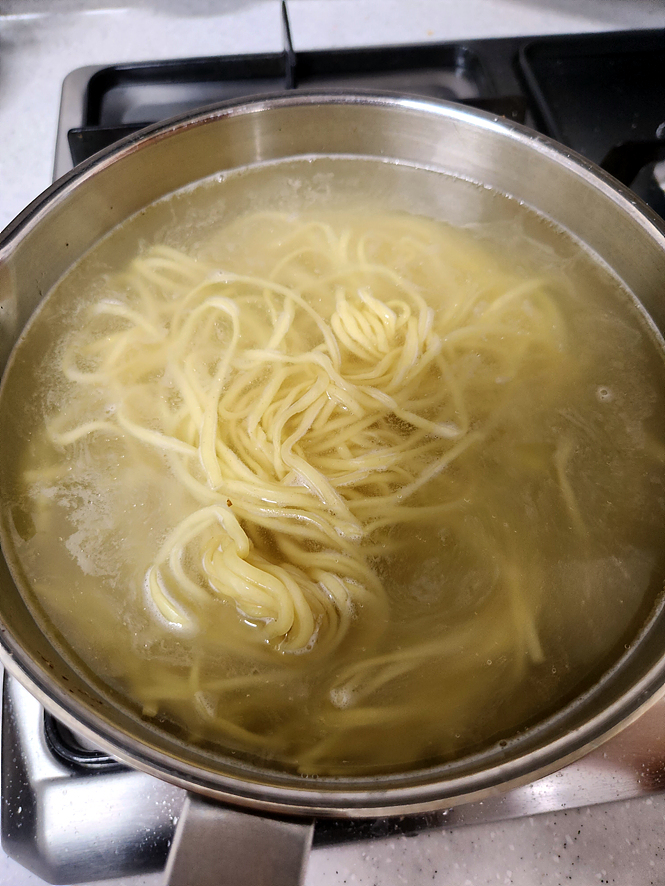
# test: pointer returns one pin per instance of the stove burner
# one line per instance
(65, 746)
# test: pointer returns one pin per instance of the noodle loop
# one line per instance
(336, 491)
(320, 404)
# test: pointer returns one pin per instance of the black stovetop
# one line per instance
(600, 94)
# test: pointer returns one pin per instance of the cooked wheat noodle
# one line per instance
(311, 407)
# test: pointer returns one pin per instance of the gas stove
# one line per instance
(71, 814)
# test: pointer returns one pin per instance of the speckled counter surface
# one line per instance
(43, 40)
(618, 843)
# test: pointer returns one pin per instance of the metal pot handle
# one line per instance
(215, 845)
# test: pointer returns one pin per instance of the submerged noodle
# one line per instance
(316, 411)
(318, 424)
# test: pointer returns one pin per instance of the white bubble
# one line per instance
(341, 698)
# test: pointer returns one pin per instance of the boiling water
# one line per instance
(537, 546)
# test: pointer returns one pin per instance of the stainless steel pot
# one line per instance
(52, 233)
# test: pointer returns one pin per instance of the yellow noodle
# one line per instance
(285, 429)
(312, 419)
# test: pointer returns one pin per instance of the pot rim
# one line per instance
(565, 156)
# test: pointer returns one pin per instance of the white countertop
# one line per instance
(43, 40)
